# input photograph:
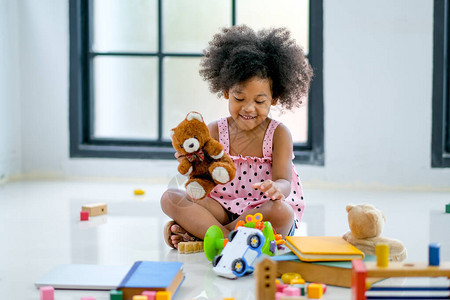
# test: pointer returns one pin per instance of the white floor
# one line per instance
(40, 228)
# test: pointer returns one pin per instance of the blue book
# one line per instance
(152, 276)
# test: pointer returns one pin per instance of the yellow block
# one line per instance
(162, 295)
(315, 291)
(139, 192)
(140, 297)
(382, 252)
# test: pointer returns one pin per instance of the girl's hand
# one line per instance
(270, 189)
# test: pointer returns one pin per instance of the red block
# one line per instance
(84, 215)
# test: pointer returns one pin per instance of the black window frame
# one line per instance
(82, 142)
(440, 152)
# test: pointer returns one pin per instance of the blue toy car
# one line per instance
(240, 253)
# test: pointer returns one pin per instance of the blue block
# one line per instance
(433, 254)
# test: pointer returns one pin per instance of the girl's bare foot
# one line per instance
(174, 234)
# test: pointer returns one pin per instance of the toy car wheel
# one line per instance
(238, 266)
(254, 241)
(231, 235)
(216, 260)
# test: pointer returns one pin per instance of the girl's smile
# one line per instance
(249, 102)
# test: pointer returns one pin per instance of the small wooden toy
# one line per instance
(433, 254)
(140, 297)
(163, 295)
(139, 192)
(315, 290)
(47, 293)
(265, 274)
(95, 209)
(447, 208)
(382, 251)
(361, 271)
(115, 295)
(151, 295)
(190, 247)
(84, 216)
(88, 298)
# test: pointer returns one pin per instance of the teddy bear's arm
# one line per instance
(185, 167)
(214, 149)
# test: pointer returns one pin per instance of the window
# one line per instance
(441, 103)
(134, 71)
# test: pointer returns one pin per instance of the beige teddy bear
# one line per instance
(366, 224)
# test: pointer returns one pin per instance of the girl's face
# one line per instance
(249, 102)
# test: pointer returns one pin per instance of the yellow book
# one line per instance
(322, 248)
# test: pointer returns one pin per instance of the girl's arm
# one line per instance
(280, 186)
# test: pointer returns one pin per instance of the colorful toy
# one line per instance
(239, 255)
(140, 297)
(366, 224)
(214, 240)
(95, 209)
(235, 256)
(202, 158)
(47, 293)
(361, 271)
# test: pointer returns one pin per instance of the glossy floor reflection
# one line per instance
(40, 229)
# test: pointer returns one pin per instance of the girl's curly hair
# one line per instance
(238, 53)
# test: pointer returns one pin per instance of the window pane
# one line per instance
(185, 91)
(125, 97)
(296, 120)
(190, 24)
(293, 14)
(128, 26)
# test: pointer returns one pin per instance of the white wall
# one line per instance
(10, 146)
(378, 88)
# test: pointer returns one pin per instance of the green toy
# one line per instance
(214, 239)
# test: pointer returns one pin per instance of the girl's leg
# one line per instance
(278, 213)
(194, 217)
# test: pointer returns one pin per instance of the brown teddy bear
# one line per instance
(366, 224)
(202, 157)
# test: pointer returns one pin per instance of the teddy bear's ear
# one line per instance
(349, 207)
(172, 132)
(194, 115)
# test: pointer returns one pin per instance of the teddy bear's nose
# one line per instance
(191, 145)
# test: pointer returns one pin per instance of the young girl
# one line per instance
(252, 71)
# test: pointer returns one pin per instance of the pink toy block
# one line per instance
(47, 293)
(291, 291)
(151, 295)
(84, 215)
(88, 298)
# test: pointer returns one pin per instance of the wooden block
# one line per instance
(47, 293)
(405, 269)
(163, 295)
(182, 247)
(140, 297)
(265, 275)
(95, 209)
(115, 295)
(190, 247)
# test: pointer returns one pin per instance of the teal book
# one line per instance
(152, 276)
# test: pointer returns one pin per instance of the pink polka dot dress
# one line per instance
(238, 196)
